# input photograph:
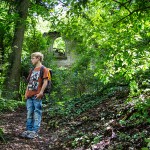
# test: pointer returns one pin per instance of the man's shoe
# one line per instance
(24, 134)
(32, 135)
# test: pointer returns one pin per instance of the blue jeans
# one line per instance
(34, 114)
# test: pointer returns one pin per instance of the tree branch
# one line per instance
(123, 4)
(140, 9)
(41, 3)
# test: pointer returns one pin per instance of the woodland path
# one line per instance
(114, 135)
(13, 124)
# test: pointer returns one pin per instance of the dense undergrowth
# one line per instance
(9, 105)
(111, 124)
(116, 117)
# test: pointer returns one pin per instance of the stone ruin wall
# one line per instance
(69, 46)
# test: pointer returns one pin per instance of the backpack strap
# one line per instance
(42, 71)
(30, 72)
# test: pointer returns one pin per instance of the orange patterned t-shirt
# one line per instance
(35, 81)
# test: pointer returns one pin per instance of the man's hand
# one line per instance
(39, 96)
(26, 93)
(25, 97)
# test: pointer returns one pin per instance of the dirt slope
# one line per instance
(13, 124)
(99, 124)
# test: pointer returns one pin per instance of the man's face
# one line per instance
(34, 60)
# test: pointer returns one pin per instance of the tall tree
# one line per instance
(12, 82)
(13, 79)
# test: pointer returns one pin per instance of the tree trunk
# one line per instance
(13, 80)
(2, 31)
(1, 51)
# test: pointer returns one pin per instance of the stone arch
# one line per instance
(59, 48)
(53, 36)
(67, 60)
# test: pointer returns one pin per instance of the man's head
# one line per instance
(36, 57)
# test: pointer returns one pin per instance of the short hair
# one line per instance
(38, 54)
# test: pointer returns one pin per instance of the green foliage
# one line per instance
(148, 144)
(34, 41)
(96, 139)
(112, 56)
(76, 106)
(83, 140)
(2, 135)
(111, 36)
(59, 44)
(139, 99)
(111, 42)
(142, 113)
(128, 137)
(69, 83)
(9, 105)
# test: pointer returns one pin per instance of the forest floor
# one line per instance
(101, 121)
(13, 124)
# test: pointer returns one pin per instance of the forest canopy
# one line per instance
(110, 39)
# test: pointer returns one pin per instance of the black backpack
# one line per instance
(49, 84)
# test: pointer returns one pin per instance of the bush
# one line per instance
(9, 105)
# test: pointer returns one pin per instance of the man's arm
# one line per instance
(45, 81)
(26, 93)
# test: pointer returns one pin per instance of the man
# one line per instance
(34, 94)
